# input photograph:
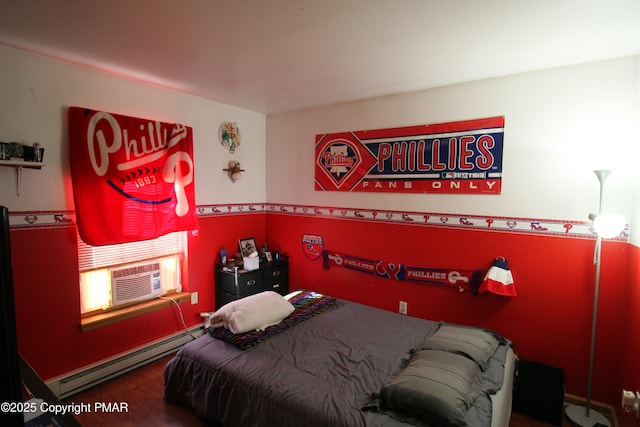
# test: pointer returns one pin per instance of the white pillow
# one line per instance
(254, 312)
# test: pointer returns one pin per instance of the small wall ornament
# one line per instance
(229, 136)
(233, 170)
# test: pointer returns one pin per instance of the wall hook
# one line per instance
(234, 170)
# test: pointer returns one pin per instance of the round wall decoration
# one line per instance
(229, 136)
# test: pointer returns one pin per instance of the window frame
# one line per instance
(91, 258)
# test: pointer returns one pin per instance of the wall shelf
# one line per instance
(18, 165)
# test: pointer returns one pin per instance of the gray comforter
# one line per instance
(321, 372)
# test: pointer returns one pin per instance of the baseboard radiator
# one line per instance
(74, 382)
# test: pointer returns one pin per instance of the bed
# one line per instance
(333, 362)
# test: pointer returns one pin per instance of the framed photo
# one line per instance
(247, 246)
(269, 256)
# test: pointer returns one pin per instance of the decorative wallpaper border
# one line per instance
(532, 226)
(32, 220)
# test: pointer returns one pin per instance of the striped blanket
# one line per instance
(307, 304)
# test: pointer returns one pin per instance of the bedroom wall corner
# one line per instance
(218, 232)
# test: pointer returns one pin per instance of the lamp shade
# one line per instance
(609, 225)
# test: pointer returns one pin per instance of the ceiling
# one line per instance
(272, 56)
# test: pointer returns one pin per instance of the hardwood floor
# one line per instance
(142, 390)
(518, 420)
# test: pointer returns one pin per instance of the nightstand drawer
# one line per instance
(224, 297)
(249, 283)
(279, 287)
(277, 279)
(226, 282)
(275, 274)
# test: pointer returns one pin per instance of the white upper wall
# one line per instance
(560, 125)
(36, 91)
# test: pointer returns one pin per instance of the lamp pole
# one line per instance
(580, 415)
(602, 177)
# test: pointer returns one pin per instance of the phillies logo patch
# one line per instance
(338, 159)
(341, 161)
(312, 246)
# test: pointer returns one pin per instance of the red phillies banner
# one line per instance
(462, 157)
(132, 178)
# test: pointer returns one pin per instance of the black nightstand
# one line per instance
(233, 283)
(539, 392)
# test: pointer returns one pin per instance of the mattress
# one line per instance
(326, 371)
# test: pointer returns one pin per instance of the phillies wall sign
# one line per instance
(132, 178)
(312, 246)
(458, 157)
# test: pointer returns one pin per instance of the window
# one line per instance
(96, 264)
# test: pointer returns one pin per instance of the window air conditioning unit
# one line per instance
(135, 283)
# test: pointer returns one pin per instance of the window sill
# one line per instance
(113, 316)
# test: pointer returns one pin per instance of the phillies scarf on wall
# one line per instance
(132, 178)
(459, 279)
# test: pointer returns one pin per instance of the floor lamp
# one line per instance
(606, 225)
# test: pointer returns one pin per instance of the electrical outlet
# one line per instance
(403, 307)
(194, 298)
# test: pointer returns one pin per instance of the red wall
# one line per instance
(549, 321)
(630, 352)
(45, 270)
